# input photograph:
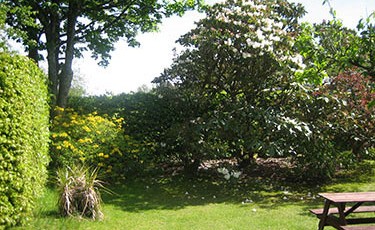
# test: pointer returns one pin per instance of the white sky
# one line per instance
(131, 68)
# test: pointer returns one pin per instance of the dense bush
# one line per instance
(163, 120)
(24, 118)
(145, 113)
(355, 121)
(339, 121)
(97, 141)
(146, 116)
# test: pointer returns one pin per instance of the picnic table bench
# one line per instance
(336, 216)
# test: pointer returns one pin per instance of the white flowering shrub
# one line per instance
(257, 34)
(237, 62)
(239, 70)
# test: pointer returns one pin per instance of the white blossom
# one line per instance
(246, 55)
(223, 170)
(279, 24)
(236, 174)
(228, 42)
(248, 3)
(260, 35)
(274, 38)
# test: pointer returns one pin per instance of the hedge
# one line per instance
(24, 137)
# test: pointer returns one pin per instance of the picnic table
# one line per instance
(335, 211)
(336, 203)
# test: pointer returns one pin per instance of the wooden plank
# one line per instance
(335, 210)
(368, 220)
(358, 227)
(345, 197)
(354, 207)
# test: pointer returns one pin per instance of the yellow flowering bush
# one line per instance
(94, 140)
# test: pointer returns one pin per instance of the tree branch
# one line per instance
(108, 24)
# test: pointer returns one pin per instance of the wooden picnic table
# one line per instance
(336, 203)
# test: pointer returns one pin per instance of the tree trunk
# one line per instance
(53, 44)
(191, 167)
(33, 48)
(66, 75)
(33, 54)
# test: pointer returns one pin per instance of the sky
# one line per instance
(132, 68)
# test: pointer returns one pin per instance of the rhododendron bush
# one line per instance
(240, 62)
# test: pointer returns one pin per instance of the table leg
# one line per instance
(341, 208)
(323, 219)
(354, 207)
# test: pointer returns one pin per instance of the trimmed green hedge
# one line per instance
(24, 137)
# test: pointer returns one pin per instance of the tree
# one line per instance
(329, 48)
(345, 57)
(67, 28)
(354, 122)
(3, 14)
(239, 62)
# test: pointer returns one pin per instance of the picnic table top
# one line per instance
(345, 197)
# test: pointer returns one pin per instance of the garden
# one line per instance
(255, 116)
(205, 202)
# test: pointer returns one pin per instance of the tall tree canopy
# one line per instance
(67, 28)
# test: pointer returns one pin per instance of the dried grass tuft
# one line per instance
(79, 192)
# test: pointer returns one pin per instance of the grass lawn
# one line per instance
(205, 203)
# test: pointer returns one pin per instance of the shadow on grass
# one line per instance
(178, 192)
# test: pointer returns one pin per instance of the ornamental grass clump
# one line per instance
(79, 192)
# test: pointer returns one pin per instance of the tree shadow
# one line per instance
(169, 192)
(177, 192)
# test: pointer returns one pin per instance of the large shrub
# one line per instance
(24, 118)
(95, 140)
(354, 123)
(234, 77)
(146, 116)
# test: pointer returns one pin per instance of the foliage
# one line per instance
(235, 72)
(354, 122)
(24, 137)
(97, 141)
(340, 58)
(79, 192)
(188, 138)
(339, 124)
(248, 85)
(3, 12)
(66, 29)
(147, 115)
(329, 48)
(150, 118)
(144, 114)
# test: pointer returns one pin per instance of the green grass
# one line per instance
(203, 203)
